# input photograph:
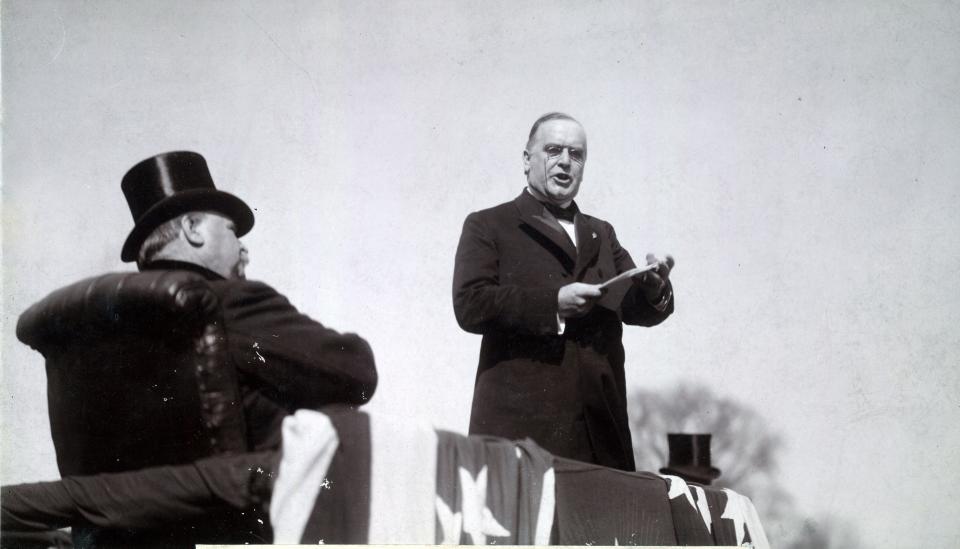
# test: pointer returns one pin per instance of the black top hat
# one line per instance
(162, 187)
(690, 458)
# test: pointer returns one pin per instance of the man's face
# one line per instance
(222, 251)
(554, 160)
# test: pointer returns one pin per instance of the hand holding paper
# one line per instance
(627, 275)
(652, 279)
(653, 282)
(577, 299)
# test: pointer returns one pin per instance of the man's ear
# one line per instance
(526, 161)
(188, 225)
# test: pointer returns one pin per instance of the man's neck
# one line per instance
(169, 264)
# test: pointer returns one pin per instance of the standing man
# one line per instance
(285, 359)
(527, 278)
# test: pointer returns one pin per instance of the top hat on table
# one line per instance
(690, 458)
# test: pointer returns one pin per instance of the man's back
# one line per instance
(285, 359)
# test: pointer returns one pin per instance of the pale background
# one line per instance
(799, 159)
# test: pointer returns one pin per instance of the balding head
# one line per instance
(555, 157)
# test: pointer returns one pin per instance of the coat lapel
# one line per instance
(546, 228)
(588, 241)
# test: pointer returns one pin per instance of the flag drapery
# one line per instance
(349, 477)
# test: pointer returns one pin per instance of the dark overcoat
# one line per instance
(565, 391)
(285, 359)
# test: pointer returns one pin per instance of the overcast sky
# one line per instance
(800, 160)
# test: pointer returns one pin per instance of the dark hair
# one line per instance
(546, 117)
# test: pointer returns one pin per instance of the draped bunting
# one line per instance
(392, 483)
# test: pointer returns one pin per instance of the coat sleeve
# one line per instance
(481, 303)
(147, 498)
(295, 360)
(636, 309)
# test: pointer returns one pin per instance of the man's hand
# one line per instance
(653, 283)
(577, 299)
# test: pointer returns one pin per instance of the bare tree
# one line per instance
(743, 448)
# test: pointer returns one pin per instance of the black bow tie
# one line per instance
(563, 214)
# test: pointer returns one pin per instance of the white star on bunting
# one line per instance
(451, 524)
(734, 511)
(704, 508)
(478, 519)
(678, 487)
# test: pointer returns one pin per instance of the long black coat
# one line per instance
(286, 360)
(567, 392)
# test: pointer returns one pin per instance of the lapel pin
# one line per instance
(594, 235)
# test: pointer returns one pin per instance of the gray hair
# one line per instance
(161, 236)
(546, 117)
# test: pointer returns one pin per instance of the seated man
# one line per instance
(284, 359)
